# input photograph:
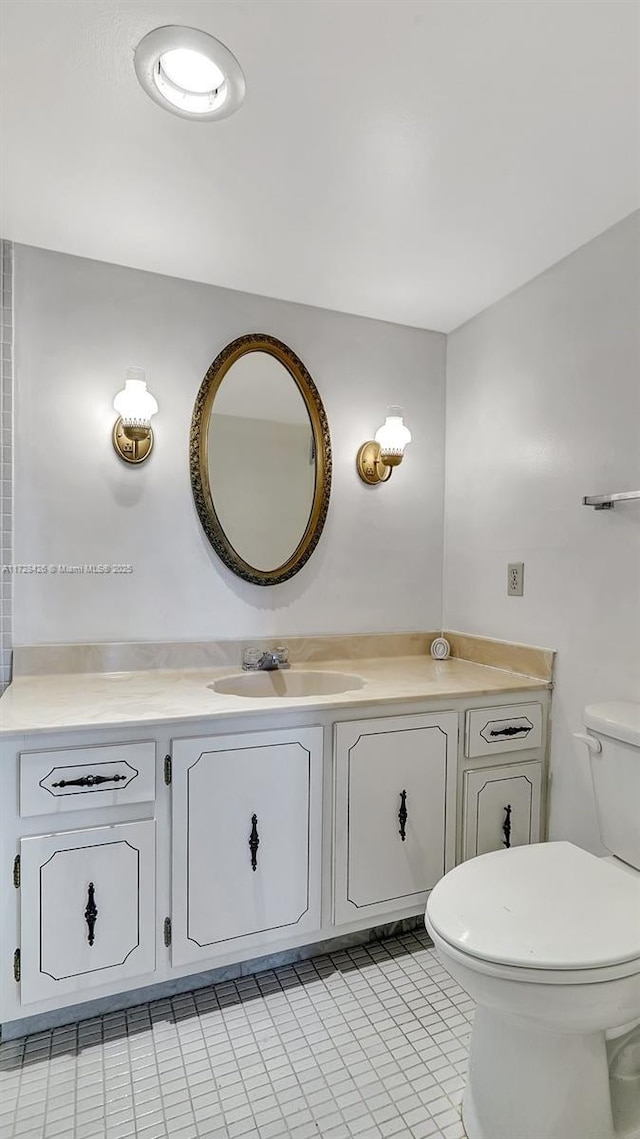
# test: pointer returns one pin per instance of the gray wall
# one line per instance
(543, 407)
(79, 323)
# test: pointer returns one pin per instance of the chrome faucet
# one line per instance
(254, 660)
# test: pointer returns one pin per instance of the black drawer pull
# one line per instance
(91, 912)
(506, 826)
(510, 730)
(89, 781)
(403, 815)
(254, 842)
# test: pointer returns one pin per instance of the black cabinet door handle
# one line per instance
(403, 816)
(254, 842)
(89, 781)
(506, 826)
(91, 912)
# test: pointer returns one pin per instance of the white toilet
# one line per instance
(546, 939)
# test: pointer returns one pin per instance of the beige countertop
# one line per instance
(160, 696)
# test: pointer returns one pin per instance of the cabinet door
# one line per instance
(391, 791)
(246, 841)
(87, 908)
(501, 807)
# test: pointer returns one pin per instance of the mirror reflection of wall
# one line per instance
(262, 466)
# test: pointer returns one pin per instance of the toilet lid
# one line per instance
(545, 906)
(619, 719)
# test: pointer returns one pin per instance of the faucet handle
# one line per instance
(251, 657)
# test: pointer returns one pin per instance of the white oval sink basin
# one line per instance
(279, 682)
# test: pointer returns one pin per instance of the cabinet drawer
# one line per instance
(87, 909)
(501, 808)
(77, 778)
(490, 731)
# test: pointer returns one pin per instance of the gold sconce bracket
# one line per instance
(370, 466)
(133, 445)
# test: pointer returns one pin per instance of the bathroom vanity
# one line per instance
(154, 828)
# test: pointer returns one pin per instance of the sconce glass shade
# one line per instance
(134, 404)
(393, 436)
(377, 457)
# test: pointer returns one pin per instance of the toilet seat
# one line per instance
(536, 976)
(540, 913)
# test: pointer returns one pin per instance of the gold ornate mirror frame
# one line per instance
(198, 458)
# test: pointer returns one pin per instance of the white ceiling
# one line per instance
(401, 159)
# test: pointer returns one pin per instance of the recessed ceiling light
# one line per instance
(189, 73)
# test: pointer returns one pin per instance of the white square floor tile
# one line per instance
(368, 1043)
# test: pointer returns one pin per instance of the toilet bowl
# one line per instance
(546, 939)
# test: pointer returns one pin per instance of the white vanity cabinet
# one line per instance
(87, 913)
(391, 779)
(247, 813)
(145, 854)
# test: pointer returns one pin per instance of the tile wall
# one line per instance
(6, 457)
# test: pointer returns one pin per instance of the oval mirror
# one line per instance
(260, 459)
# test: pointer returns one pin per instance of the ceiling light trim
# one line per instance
(156, 43)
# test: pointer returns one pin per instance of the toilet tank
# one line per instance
(615, 773)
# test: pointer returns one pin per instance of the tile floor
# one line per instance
(370, 1042)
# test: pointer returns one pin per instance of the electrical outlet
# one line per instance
(515, 579)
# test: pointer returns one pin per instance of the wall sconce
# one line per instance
(132, 434)
(377, 457)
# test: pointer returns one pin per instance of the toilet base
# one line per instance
(533, 1083)
(624, 1081)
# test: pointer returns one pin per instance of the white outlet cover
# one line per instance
(515, 579)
